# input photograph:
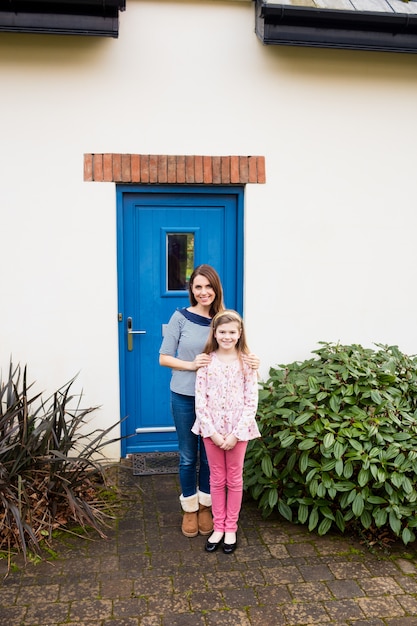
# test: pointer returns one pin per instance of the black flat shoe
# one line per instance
(228, 548)
(212, 546)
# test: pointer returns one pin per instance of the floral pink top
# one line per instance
(226, 399)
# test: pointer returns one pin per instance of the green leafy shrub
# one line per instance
(50, 471)
(339, 441)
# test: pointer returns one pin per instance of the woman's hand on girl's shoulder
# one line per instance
(252, 360)
(201, 360)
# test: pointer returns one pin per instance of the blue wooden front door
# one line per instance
(206, 223)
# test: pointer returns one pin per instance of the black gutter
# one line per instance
(68, 17)
(62, 6)
(328, 28)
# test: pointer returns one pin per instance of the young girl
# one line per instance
(226, 400)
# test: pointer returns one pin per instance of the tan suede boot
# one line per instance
(205, 520)
(190, 524)
(189, 506)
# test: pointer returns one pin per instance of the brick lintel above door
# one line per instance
(172, 169)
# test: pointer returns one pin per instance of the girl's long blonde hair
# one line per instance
(224, 317)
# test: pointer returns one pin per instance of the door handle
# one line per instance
(131, 332)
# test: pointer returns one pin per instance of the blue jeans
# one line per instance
(189, 445)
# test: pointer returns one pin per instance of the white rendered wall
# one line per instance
(329, 246)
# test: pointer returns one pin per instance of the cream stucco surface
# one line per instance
(329, 239)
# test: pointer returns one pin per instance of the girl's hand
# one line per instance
(201, 360)
(218, 440)
(252, 360)
(229, 442)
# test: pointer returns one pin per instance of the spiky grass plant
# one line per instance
(51, 472)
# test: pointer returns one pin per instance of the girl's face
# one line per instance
(227, 335)
(202, 290)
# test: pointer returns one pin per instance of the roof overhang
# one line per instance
(62, 17)
(328, 28)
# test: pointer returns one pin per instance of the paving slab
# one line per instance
(146, 573)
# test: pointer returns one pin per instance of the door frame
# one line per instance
(121, 192)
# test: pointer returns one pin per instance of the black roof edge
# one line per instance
(333, 28)
(60, 6)
(98, 18)
(337, 17)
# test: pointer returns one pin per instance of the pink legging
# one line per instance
(226, 484)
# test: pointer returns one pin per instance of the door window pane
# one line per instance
(180, 260)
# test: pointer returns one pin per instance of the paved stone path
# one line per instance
(148, 574)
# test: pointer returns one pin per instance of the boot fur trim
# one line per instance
(204, 498)
(189, 504)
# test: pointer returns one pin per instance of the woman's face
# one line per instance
(202, 291)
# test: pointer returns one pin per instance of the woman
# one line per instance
(184, 339)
